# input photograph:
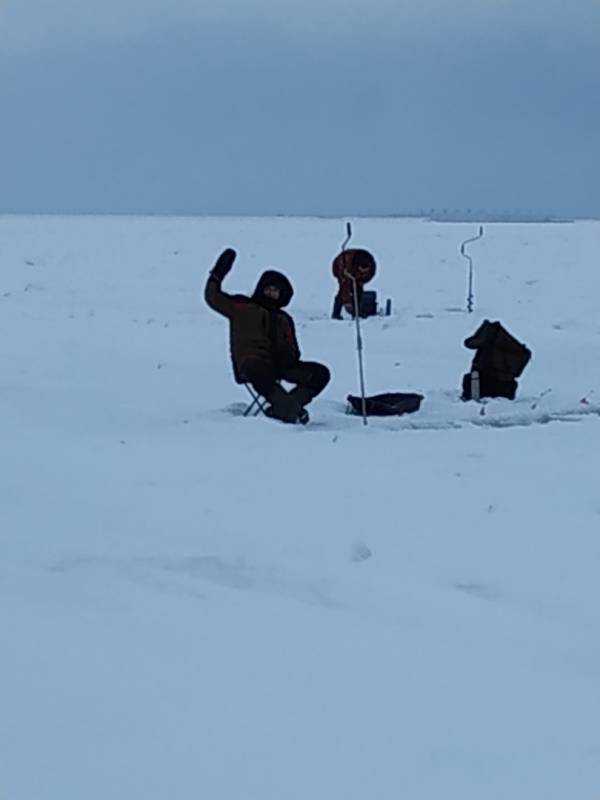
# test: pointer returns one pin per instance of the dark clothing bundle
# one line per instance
(352, 267)
(499, 360)
(263, 344)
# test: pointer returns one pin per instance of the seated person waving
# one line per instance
(263, 344)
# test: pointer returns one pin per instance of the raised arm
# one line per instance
(216, 298)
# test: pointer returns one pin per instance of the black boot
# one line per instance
(302, 396)
(285, 407)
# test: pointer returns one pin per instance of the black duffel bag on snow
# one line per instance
(390, 404)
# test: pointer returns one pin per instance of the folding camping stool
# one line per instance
(257, 405)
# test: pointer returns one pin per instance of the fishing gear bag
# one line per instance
(389, 404)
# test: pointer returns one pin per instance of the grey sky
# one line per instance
(337, 107)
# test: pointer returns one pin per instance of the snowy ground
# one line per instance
(195, 604)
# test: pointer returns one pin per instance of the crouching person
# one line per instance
(263, 344)
(499, 360)
(351, 268)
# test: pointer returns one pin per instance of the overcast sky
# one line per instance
(331, 107)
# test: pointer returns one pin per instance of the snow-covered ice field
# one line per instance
(194, 604)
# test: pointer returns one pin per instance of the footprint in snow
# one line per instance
(361, 552)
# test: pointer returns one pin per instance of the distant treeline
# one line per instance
(492, 216)
(443, 215)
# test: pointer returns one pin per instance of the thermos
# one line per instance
(475, 389)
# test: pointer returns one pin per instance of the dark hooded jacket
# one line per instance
(258, 326)
(498, 353)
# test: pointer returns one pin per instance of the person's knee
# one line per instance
(320, 377)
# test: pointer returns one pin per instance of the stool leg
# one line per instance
(256, 401)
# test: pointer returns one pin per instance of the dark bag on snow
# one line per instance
(385, 405)
(498, 361)
(368, 304)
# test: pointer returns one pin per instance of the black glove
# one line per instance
(223, 264)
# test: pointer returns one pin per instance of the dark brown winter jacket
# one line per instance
(357, 263)
(257, 328)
